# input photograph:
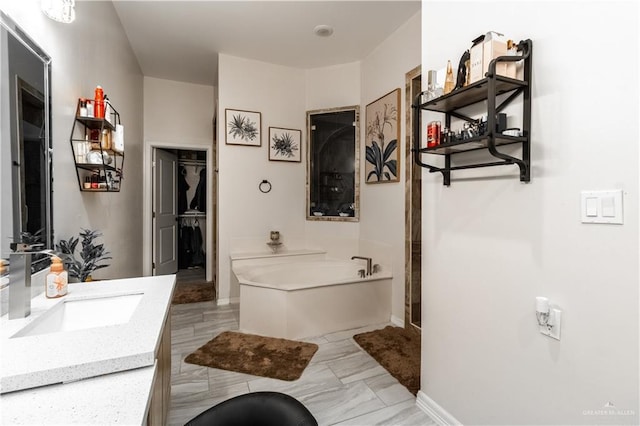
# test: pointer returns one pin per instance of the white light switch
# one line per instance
(592, 206)
(602, 207)
(608, 207)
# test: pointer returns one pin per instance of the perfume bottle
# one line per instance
(433, 91)
(449, 83)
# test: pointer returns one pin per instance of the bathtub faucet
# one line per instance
(369, 263)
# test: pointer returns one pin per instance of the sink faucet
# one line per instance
(20, 279)
(369, 263)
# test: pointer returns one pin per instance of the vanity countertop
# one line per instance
(63, 357)
(113, 399)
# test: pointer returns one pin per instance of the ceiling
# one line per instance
(180, 40)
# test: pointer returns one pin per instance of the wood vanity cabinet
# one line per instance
(161, 393)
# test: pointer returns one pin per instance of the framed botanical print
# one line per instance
(284, 144)
(243, 127)
(383, 132)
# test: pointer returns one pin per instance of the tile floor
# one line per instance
(342, 385)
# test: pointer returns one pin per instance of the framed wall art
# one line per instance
(243, 127)
(284, 144)
(382, 162)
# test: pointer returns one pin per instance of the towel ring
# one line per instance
(265, 186)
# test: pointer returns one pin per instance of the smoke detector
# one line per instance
(323, 30)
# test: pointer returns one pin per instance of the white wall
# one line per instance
(178, 115)
(285, 92)
(276, 92)
(92, 51)
(383, 205)
(175, 111)
(492, 245)
(333, 87)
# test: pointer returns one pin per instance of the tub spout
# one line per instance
(369, 262)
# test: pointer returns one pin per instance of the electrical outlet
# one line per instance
(552, 329)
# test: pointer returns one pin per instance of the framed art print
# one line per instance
(243, 127)
(284, 144)
(381, 144)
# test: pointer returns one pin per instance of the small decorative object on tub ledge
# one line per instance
(275, 242)
(376, 268)
(274, 245)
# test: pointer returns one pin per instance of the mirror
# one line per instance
(333, 147)
(25, 142)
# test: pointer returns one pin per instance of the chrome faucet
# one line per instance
(20, 279)
(369, 263)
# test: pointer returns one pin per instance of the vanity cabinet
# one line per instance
(486, 90)
(161, 392)
(98, 160)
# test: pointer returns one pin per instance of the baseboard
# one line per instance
(228, 301)
(439, 415)
(397, 321)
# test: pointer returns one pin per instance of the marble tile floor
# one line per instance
(342, 385)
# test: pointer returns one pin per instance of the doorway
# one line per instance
(180, 212)
(168, 213)
(413, 213)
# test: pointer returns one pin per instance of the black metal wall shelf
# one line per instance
(487, 90)
(107, 169)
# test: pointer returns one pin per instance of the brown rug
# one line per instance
(193, 292)
(258, 355)
(398, 351)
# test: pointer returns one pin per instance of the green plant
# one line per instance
(91, 256)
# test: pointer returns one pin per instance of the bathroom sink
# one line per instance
(79, 314)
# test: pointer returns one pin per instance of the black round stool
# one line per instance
(257, 409)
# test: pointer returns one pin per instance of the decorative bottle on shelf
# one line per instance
(83, 108)
(449, 83)
(57, 278)
(433, 91)
(99, 101)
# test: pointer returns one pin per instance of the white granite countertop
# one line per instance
(45, 359)
(113, 399)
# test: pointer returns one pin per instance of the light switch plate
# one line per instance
(601, 207)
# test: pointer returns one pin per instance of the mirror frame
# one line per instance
(356, 185)
(13, 30)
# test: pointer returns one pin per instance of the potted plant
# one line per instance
(91, 259)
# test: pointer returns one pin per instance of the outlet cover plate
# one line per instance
(555, 318)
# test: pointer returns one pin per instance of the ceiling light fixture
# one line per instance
(59, 10)
(323, 30)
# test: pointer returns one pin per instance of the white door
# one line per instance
(165, 212)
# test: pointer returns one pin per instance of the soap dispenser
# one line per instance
(57, 278)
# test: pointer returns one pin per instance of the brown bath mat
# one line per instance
(398, 351)
(193, 292)
(258, 355)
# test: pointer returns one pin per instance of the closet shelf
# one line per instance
(200, 214)
(201, 163)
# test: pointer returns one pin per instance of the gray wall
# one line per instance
(92, 51)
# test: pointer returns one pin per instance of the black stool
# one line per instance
(256, 409)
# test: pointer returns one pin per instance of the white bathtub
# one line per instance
(304, 298)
